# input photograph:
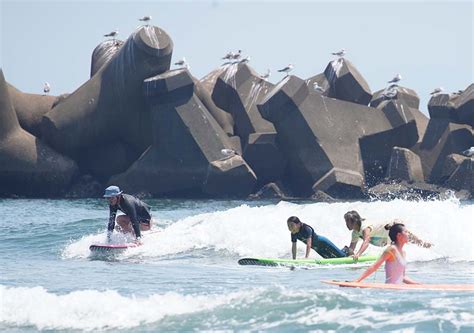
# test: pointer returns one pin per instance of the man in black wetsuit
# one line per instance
(137, 213)
(305, 233)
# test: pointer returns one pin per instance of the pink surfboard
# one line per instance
(442, 287)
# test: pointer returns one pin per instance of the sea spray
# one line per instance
(261, 231)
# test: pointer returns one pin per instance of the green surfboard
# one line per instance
(305, 262)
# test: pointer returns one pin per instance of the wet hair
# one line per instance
(354, 217)
(293, 219)
(395, 230)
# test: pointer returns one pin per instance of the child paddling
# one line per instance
(394, 258)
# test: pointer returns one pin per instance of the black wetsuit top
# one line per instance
(304, 234)
(134, 208)
(323, 246)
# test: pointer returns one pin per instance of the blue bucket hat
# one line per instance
(112, 191)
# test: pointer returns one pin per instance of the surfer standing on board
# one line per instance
(375, 234)
(305, 233)
(137, 213)
(394, 258)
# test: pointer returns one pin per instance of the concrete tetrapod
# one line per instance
(186, 141)
(27, 166)
(110, 105)
(30, 108)
(325, 139)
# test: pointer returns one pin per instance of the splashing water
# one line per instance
(224, 230)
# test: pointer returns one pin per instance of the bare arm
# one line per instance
(375, 266)
(365, 244)
(412, 238)
(293, 250)
(353, 246)
(309, 242)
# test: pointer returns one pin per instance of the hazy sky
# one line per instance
(430, 43)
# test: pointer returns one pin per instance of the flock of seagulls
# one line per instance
(231, 56)
(114, 34)
(389, 92)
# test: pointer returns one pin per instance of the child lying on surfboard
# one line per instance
(393, 257)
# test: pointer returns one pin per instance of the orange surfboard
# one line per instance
(442, 287)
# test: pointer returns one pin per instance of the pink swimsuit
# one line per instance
(395, 269)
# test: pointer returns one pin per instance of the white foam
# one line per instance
(95, 310)
(92, 310)
(262, 231)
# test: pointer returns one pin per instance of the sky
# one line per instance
(430, 43)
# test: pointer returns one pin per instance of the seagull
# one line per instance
(436, 91)
(228, 56)
(266, 75)
(317, 87)
(182, 63)
(340, 53)
(145, 19)
(112, 34)
(46, 88)
(469, 152)
(228, 152)
(237, 55)
(287, 69)
(390, 92)
(396, 79)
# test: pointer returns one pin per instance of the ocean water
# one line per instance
(186, 278)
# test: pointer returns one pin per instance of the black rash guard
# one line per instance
(304, 234)
(323, 246)
(135, 209)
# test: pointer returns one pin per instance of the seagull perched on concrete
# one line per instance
(236, 56)
(286, 69)
(182, 63)
(390, 92)
(112, 34)
(266, 75)
(145, 19)
(340, 53)
(317, 87)
(436, 91)
(228, 56)
(395, 79)
(46, 88)
(469, 152)
(228, 152)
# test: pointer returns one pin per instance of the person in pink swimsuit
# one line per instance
(394, 258)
